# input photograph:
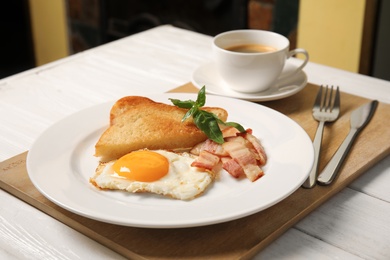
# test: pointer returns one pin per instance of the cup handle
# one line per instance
(304, 62)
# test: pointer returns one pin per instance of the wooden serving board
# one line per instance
(238, 239)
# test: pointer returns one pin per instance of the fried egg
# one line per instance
(159, 171)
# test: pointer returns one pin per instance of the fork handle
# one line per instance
(311, 180)
(332, 168)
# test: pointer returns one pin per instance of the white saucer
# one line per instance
(206, 75)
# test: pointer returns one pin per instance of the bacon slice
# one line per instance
(232, 167)
(253, 172)
(240, 154)
(209, 146)
(244, 157)
(237, 139)
(238, 151)
(214, 148)
(258, 147)
(206, 160)
(229, 131)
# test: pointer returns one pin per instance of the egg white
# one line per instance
(182, 181)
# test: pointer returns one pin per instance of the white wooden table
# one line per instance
(352, 225)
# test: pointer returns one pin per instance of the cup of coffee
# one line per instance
(252, 61)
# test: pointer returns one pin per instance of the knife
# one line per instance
(359, 119)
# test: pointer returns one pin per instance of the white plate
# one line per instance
(61, 161)
(206, 75)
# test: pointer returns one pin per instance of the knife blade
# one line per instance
(359, 119)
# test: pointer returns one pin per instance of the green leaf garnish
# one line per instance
(205, 121)
(182, 104)
(235, 125)
(201, 99)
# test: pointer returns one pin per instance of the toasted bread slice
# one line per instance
(126, 103)
(139, 123)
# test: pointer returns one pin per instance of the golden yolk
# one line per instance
(143, 166)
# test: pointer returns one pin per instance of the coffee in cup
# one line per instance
(252, 61)
(251, 48)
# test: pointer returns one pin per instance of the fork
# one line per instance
(326, 109)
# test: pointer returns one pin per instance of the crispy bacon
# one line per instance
(253, 172)
(232, 167)
(214, 148)
(244, 157)
(244, 133)
(206, 160)
(209, 146)
(258, 147)
(236, 139)
(240, 154)
(229, 131)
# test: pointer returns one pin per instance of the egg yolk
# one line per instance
(146, 166)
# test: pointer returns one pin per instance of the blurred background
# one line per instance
(352, 35)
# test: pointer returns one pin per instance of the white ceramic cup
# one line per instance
(256, 71)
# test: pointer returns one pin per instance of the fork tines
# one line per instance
(327, 101)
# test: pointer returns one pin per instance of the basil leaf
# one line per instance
(207, 122)
(190, 112)
(235, 125)
(182, 104)
(201, 99)
(232, 124)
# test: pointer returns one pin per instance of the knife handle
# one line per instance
(311, 180)
(332, 168)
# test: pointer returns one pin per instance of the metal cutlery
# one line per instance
(359, 119)
(326, 109)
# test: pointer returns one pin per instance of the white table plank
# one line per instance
(354, 222)
(27, 233)
(295, 244)
(376, 181)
